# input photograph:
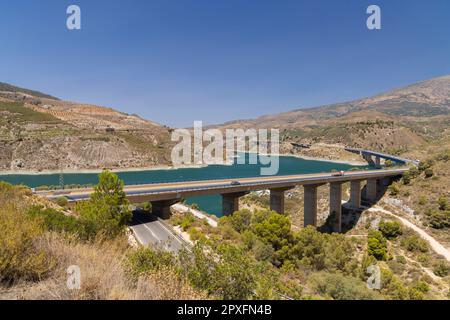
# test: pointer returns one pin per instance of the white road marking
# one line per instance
(151, 232)
(176, 238)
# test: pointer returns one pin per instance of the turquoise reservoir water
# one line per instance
(210, 204)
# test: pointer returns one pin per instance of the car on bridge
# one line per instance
(235, 183)
(337, 174)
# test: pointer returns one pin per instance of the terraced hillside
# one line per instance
(39, 132)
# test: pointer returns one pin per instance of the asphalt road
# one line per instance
(149, 231)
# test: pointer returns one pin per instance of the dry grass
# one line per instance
(102, 275)
(20, 258)
(34, 262)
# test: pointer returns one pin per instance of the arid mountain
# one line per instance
(393, 121)
(40, 132)
(423, 99)
(5, 87)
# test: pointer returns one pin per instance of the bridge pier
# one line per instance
(277, 199)
(355, 193)
(310, 205)
(336, 205)
(377, 162)
(230, 202)
(368, 158)
(371, 190)
(162, 208)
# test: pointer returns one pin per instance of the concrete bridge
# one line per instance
(163, 195)
(369, 156)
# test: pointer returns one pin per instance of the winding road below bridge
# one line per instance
(150, 231)
(435, 245)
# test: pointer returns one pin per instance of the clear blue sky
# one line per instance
(176, 61)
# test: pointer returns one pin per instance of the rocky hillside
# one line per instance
(392, 121)
(40, 132)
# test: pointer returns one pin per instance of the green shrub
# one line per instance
(273, 228)
(393, 189)
(148, 206)
(145, 260)
(231, 277)
(145, 206)
(421, 286)
(194, 234)
(340, 287)
(439, 219)
(429, 173)
(443, 156)
(441, 269)
(240, 220)
(401, 259)
(262, 251)
(377, 245)
(415, 294)
(443, 203)
(321, 251)
(406, 178)
(390, 229)
(62, 201)
(414, 172)
(418, 290)
(424, 165)
(415, 244)
(187, 221)
(249, 239)
(54, 220)
(392, 287)
(20, 257)
(389, 163)
(422, 200)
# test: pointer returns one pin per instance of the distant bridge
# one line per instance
(367, 155)
(163, 195)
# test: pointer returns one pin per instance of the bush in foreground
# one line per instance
(377, 245)
(340, 287)
(20, 256)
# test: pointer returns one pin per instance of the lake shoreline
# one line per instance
(162, 167)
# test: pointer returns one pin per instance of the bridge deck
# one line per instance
(382, 155)
(178, 190)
